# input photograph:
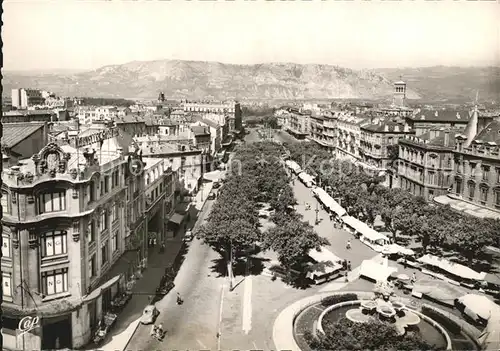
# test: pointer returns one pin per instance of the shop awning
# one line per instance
(376, 271)
(461, 205)
(329, 202)
(98, 291)
(364, 229)
(451, 267)
(177, 218)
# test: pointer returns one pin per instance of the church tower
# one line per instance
(399, 96)
(161, 97)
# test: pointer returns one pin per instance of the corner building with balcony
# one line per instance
(64, 227)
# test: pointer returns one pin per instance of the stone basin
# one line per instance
(409, 318)
(386, 311)
(398, 306)
(357, 315)
(369, 305)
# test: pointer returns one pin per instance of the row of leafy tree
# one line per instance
(233, 228)
(99, 101)
(437, 227)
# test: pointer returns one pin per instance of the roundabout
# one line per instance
(314, 317)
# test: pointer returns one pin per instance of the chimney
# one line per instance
(406, 128)
(436, 113)
(396, 128)
(458, 115)
(386, 128)
(446, 138)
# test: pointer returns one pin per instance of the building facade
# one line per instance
(64, 226)
(426, 163)
(299, 123)
(379, 148)
(348, 137)
(24, 98)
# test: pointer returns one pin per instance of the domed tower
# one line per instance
(399, 96)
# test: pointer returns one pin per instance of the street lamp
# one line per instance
(230, 265)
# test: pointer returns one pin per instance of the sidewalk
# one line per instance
(128, 319)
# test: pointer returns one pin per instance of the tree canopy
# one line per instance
(363, 197)
(233, 225)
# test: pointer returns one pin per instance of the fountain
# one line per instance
(394, 312)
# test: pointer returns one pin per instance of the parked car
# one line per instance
(149, 314)
(211, 196)
(188, 236)
(216, 185)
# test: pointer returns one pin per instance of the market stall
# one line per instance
(376, 271)
(325, 265)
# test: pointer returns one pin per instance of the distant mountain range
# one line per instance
(270, 81)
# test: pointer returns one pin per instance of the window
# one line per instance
(485, 170)
(497, 199)
(54, 243)
(92, 267)
(114, 241)
(432, 177)
(5, 202)
(52, 202)
(116, 178)
(104, 253)
(114, 212)
(484, 194)
(498, 175)
(90, 190)
(102, 187)
(472, 169)
(6, 246)
(103, 224)
(91, 232)
(55, 282)
(472, 188)
(431, 194)
(7, 284)
(106, 184)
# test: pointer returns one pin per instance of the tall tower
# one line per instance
(399, 96)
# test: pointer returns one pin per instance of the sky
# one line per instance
(87, 34)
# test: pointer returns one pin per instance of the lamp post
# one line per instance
(230, 265)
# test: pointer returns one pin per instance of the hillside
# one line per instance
(195, 80)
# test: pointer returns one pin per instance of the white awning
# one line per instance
(397, 249)
(451, 267)
(364, 229)
(329, 202)
(376, 271)
(98, 291)
(324, 255)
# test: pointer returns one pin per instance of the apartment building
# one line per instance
(348, 137)
(476, 186)
(378, 147)
(299, 123)
(230, 108)
(424, 120)
(65, 225)
(323, 130)
(425, 164)
(24, 98)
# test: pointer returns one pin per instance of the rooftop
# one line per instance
(435, 137)
(200, 130)
(441, 116)
(387, 126)
(490, 134)
(27, 113)
(14, 133)
(151, 162)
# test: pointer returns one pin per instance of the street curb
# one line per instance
(131, 336)
(138, 323)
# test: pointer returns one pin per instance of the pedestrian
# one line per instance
(349, 265)
(413, 278)
(348, 245)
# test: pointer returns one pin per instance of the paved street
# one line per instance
(194, 324)
(337, 237)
